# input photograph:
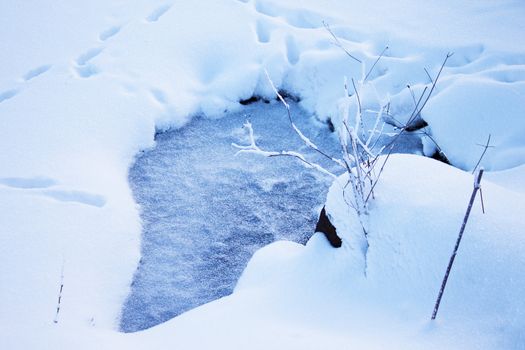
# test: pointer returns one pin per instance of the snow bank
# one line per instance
(469, 110)
(394, 285)
(512, 179)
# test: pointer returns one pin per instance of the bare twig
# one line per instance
(477, 181)
(477, 187)
(426, 133)
(305, 139)
(434, 84)
(379, 117)
(338, 43)
(253, 148)
(412, 93)
(428, 75)
(482, 202)
(55, 320)
(357, 95)
(485, 147)
(377, 60)
(359, 116)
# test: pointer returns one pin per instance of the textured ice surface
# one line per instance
(205, 211)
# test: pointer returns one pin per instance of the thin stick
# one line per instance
(371, 68)
(253, 148)
(305, 139)
(485, 146)
(357, 95)
(482, 202)
(425, 132)
(413, 96)
(434, 83)
(379, 117)
(55, 320)
(338, 43)
(359, 118)
(477, 181)
(428, 75)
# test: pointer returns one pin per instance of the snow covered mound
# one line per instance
(414, 222)
(470, 109)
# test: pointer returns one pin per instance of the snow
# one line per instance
(511, 179)
(85, 85)
(397, 281)
(470, 110)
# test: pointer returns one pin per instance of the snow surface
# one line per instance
(394, 285)
(86, 84)
(474, 108)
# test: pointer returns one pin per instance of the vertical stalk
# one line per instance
(477, 180)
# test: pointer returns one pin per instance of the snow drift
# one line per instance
(414, 221)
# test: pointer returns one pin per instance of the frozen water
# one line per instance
(205, 211)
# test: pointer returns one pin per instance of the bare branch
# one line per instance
(338, 43)
(477, 182)
(305, 139)
(482, 202)
(254, 149)
(428, 75)
(485, 147)
(359, 117)
(59, 301)
(433, 87)
(412, 93)
(377, 60)
(378, 118)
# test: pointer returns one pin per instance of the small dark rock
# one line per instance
(288, 96)
(331, 126)
(439, 155)
(417, 124)
(249, 101)
(325, 226)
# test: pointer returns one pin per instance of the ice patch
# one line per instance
(205, 211)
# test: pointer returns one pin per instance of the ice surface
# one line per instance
(205, 211)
